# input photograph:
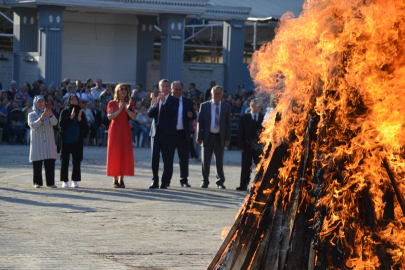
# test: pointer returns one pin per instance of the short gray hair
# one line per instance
(215, 88)
(162, 81)
(256, 102)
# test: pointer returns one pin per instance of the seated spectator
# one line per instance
(71, 91)
(43, 87)
(26, 110)
(28, 89)
(138, 106)
(4, 94)
(51, 90)
(188, 95)
(155, 90)
(200, 98)
(57, 108)
(4, 120)
(96, 91)
(24, 92)
(146, 101)
(44, 93)
(104, 123)
(13, 90)
(18, 99)
(135, 129)
(135, 98)
(194, 92)
(58, 95)
(79, 87)
(16, 120)
(229, 99)
(145, 124)
(97, 104)
(65, 86)
(87, 96)
(141, 94)
(90, 122)
(237, 108)
(107, 95)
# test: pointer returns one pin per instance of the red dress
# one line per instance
(120, 155)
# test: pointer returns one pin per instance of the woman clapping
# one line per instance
(120, 156)
(72, 127)
(42, 147)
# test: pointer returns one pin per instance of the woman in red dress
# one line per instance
(120, 155)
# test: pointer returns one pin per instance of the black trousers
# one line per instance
(68, 149)
(246, 170)
(183, 152)
(193, 153)
(49, 165)
(164, 144)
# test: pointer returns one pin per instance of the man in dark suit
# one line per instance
(208, 92)
(185, 116)
(250, 128)
(214, 133)
(163, 132)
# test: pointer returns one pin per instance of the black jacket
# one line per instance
(249, 133)
(64, 121)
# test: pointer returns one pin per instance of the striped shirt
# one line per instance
(42, 138)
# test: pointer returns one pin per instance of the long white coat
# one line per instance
(42, 137)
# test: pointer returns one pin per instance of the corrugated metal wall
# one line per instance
(106, 51)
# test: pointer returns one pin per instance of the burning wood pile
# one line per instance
(329, 192)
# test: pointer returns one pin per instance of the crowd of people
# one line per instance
(195, 123)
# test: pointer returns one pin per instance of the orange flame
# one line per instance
(345, 61)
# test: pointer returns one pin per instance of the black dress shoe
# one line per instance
(163, 186)
(185, 185)
(153, 185)
(168, 185)
(241, 188)
(204, 185)
(221, 186)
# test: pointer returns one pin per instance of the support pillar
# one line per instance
(25, 32)
(172, 48)
(145, 47)
(233, 47)
(50, 44)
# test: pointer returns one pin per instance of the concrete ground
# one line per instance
(99, 227)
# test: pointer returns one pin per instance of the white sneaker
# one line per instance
(65, 184)
(75, 184)
(37, 186)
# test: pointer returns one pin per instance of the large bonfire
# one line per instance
(328, 193)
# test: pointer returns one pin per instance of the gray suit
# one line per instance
(213, 142)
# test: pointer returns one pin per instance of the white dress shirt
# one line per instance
(255, 115)
(180, 115)
(213, 108)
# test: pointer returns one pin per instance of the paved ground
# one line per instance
(98, 227)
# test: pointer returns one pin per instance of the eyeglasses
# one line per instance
(123, 89)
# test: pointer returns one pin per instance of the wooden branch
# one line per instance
(394, 185)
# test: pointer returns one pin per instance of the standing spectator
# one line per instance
(104, 124)
(90, 82)
(200, 98)
(147, 100)
(163, 132)
(138, 106)
(18, 99)
(79, 87)
(229, 99)
(27, 110)
(24, 92)
(35, 91)
(120, 157)
(96, 91)
(51, 90)
(87, 96)
(208, 92)
(57, 108)
(58, 94)
(91, 122)
(141, 94)
(43, 87)
(28, 89)
(144, 124)
(214, 133)
(72, 127)
(155, 90)
(107, 95)
(185, 116)
(194, 92)
(44, 93)
(65, 86)
(42, 147)
(247, 106)
(237, 108)
(250, 128)
(4, 120)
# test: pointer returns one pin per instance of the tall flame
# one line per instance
(343, 60)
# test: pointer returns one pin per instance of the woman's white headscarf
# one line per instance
(36, 109)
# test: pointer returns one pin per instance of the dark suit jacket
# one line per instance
(167, 117)
(188, 107)
(97, 117)
(249, 133)
(204, 123)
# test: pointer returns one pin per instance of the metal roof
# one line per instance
(264, 8)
